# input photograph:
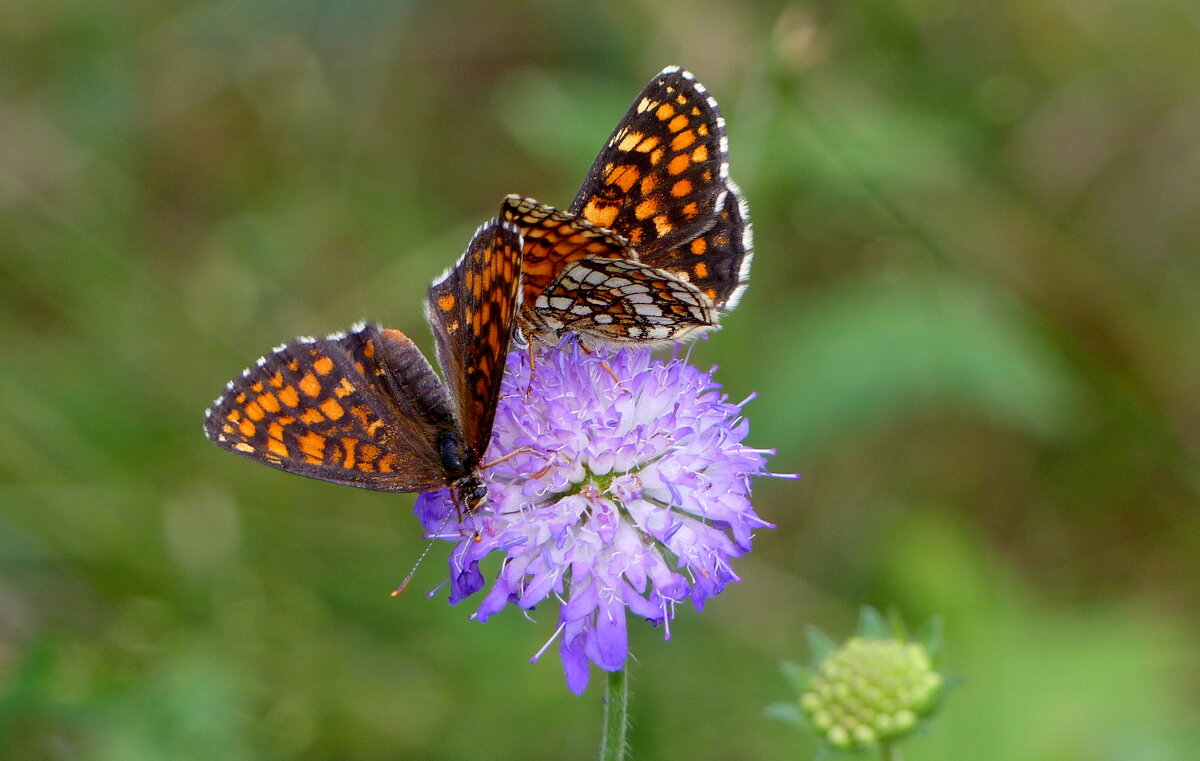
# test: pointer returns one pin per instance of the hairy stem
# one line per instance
(616, 716)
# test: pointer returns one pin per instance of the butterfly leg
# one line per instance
(522, 450)
(546, 469)
(509, 456)
(529, 345)
(593, 353)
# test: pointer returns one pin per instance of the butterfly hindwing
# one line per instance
(472, 311)
(617, 301)
(717, 261)
(362, 408)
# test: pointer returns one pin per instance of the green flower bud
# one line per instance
(873, 689)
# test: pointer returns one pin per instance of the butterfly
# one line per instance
(366, 409)
(657, 243)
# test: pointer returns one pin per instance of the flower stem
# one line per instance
(616, 716)
(889, 752)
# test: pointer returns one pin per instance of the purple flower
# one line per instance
(612, 497)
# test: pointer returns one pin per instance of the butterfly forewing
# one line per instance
(661, 176)
(552, 239)
(363, 409)
(472, 311)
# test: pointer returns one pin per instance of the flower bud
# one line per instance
(874, 689)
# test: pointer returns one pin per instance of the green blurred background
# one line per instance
(973, 325)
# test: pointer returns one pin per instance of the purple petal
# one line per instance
(609, 643)
(574, 660)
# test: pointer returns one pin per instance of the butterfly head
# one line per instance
(471, 492)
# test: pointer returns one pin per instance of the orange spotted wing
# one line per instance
(587, 280)
(472, 311)
(662, 183)
(553, 239)
(366, 409)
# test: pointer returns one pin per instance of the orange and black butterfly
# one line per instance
(366, 409)
(657, 244)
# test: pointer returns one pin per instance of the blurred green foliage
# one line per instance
(973, 324)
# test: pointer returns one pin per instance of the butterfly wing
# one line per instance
(718, 260)
(618, 301)
(363, 409)
(552, 239)
(472, 310)
(660, 178)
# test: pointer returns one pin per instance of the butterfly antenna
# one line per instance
(413, 571)
(476, 534)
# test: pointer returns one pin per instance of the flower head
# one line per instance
(611, 496)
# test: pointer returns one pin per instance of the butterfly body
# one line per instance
(366, 409)
(460, 463)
